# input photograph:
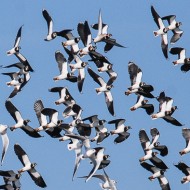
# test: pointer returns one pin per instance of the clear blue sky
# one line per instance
(131, 23)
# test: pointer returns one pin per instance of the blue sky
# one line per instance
(131, 23)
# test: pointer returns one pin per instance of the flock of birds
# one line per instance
(79, 131)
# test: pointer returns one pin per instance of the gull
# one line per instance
(16, 46)
(28, 166)
(5, 141)
(162, 31)
(104, 87)
(20, 122)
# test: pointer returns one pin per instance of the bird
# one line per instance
(53, 130)
(153, 143)
(166, 110)
(86, 38)
(11, 178)
(51, 33)
(186, 170)
(142, 103)
(107, 182)
(103, 35)
(174, 27)
(137, 86)
(186, 136)
(104, 87)
(120, 129)
(20, 122)
(17, 82)
(65, 96)
(62, 65)
(80, 66)
(5, 141)
(162, 31)
(16, 46)
(28, 166)
(182, 59)
(149, 154)
(157, 173)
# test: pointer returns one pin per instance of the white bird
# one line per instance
(5, 141)
(16, 46)
(28, 166)
(186, 136)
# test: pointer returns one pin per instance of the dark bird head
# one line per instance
(156, 144)
(101, 122)
(110, 66)
(59, 122)
(54, 35)
(106, 156)
(17, 176)
(154, 153)
(26, 121)
(109, 87)
(17, 48)
(178, 24)
(77, 40)
(33, 165)
(127, 128)
(84, 64)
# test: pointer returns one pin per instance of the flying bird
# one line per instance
(162, 31)
(157, 173)
(16, 46)
(104, 87)
(174, 27)
(28, 166)
(62, 65)
(186, 136)
(20, 122)
(120, 129)
(182, 59)
(51, 33)
(5, 141)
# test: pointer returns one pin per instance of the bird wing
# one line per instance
(48, 20)
(109, 102)
(13, 111)
(18, 37)
(62, 62)
(22, 156)
(30, 131)
(186, 135)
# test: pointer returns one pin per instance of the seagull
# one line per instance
(62, 65)
(182, 59)
(174, 27)
(142, 103)
(52, 34)
(107, 182)
(104, 87)
(186, 170)
(162, 31)
(86, 38)
(20, 122)
(120, 129)
(157, 173)
(16, 46)
(28, 166)
(50, 127)
(65, 96)
(12, 177)
(5, 141)
(186, 136)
